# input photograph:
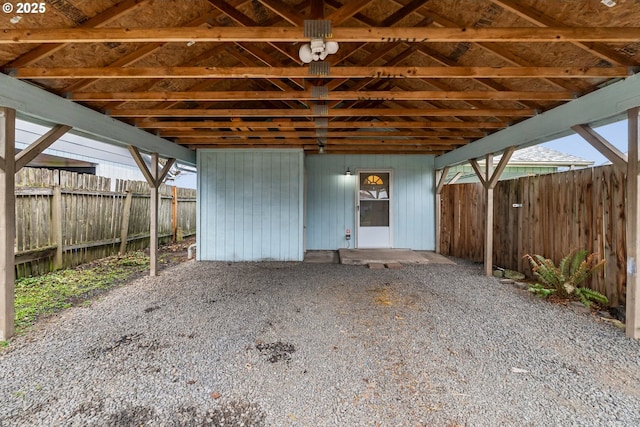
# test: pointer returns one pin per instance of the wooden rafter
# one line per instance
(336, 72)
(372, 112)
(104, 18)
(288, 124)
(344, 34)
(538, 18)
(308, 95)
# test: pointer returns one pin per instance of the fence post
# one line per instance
(174, 212)
(56, 225)
(124, 227)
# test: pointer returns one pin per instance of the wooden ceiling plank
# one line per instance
(288, 124)
(538, 18)
(384, 72)
(317, 9)
(350, 8)
(344, 34)
(373, 112)
(144, 51)
(496, 49)
(285, 11)
(246, 21)
(103, 18)
(337, 142)
(428, 20)
(403, 12)
(354, 95)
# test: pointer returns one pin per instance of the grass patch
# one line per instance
(44, 295)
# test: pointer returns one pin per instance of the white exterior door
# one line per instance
(373, 209)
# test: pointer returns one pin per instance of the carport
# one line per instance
(278, 116)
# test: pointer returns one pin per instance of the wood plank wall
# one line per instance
(90, 217)
(582, 209)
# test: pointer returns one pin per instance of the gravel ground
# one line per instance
(279, 344)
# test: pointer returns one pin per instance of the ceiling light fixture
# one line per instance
(317, 50)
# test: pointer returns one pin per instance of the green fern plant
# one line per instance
(565, 278)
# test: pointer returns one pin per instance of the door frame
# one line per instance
(357, 201)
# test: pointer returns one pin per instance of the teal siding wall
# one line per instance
(330, 199)
(250, 205)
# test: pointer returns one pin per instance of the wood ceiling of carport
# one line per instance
(411, 76)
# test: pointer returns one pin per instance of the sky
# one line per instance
(615, 133)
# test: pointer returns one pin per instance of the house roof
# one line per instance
(539, 155)
(227, 73)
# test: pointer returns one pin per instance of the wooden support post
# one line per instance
(441, 177)
(56, 226)
(7, 222)
(153, 242)
(488, 218)
(633, 226)
(154, 177)
(174, 212)
(489, 178)
(124, 226)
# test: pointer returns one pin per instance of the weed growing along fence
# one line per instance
(550, 215)
(65, 219)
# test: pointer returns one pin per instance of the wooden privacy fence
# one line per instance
(65, 219)
(548, 215)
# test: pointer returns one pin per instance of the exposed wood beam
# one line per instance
(344, 34)
(244, 20)
(285, 11)
(349, 9)
(499, 50)
(538, 18)
(144, 51)
(371, 112)
(403, 12)
(313, 134)
(207, 124)
(38, 146)
(332, 95)
(336, 72)
(605, 148)
(330, 141)
(103, 18)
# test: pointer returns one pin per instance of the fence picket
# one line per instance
(91, 217)
(582, 209)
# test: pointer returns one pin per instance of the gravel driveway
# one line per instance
(279, 344)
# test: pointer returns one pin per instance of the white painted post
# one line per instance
(633, 226)
(7, 222)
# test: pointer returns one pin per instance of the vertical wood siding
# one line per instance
(331, 199)
(250, 205)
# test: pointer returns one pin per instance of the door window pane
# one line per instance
(374, 213)
(374, 186)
